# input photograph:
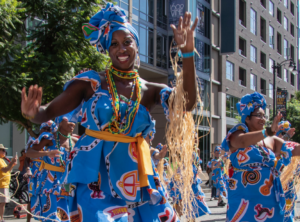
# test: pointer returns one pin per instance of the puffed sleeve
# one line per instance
(164, 96)
(226, 141)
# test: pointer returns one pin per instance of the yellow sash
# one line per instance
(144, 158)
(48, 166)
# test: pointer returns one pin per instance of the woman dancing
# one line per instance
(255, 192)
(51, 149)
(111, 164)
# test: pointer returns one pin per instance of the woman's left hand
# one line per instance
(184, 34)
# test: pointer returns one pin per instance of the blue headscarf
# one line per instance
(249, 103)
(217, 149)
(284, 126)
(159, 146)
(100, 28)
(226, 155)
(51, 124)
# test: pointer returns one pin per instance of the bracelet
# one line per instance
(286, 137)
(270, 132)
(27, 117)
(188, 54)
(264, 133)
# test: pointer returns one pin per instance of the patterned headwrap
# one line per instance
(159, 146)
(217, 149)
(284, 126)
(72, 116)
(226, 155)
(100, 28)
(249, 103)
(51, 124)
(152, 132)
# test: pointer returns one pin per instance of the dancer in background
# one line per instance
(217, 167)
(50, 200)
(116, 116)
(255, 191)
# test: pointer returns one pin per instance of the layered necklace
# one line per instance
(58, 144)
(122, 125)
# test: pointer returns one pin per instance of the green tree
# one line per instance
(293, 115)
(48, 53)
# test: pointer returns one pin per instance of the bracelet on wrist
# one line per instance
(27, 117)
(188, 54)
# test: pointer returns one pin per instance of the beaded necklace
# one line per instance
(115, 100)
(58, 144)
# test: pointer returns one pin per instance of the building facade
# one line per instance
(266, 32)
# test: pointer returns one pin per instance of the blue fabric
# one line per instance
(104, 174)
(159, 146)
(217, 149)
(48, 197)
(164, 96)
(72, 116)
(282, 128)
(219, 181)
(50, 124)
(255, 191)
(152, 132)
(104, 24)
(200, 206)
(249, 103)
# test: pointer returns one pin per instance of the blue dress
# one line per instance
(49, 199)
(104, 174)
(255, 192)
(200, 206)
(291, 197)
(218, 177)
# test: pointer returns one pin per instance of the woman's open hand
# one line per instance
(274, 126)
(30, 104)
(184, 33)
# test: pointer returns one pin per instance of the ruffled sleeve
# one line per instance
(164, 96)
(89, 76)
(209, 164)
(286, 152)
(47, 136)
(226, 141)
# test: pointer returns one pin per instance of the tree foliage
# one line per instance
(41, 42)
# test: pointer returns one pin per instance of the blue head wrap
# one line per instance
(72, 116)
(159, 146)
(217, 149)
(284, 126)
(51, 124)
(100, 28)
(226, 155)
(152, 132)
(249, 103)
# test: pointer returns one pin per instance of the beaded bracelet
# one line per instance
(188, 54)
(27, 117)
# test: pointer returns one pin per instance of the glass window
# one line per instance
(6, 136)
(271, 8)
(162, 14)
(124, 5)
(202, 62)
(253, 82)
(253, 53)
(270, 90)
(229, 71)
(286, 3)
(271, 63)
(161, 51)
(285, 23)
(285, 75)
(271, 37)
(292, 79)
(231, 110)
(286, 48)
(253, 21)
(143, 9)
(146, 43)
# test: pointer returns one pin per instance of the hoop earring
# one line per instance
(137, 61)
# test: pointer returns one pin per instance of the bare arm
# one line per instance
(240, 139)
(64, 103)
(36, 150)
(8, 167)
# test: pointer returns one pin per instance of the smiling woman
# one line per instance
(110, 168)
(255, 191)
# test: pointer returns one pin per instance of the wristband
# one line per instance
(264, 133)
(27, 117)
(188, 54)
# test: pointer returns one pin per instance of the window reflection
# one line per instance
(231, 110)
(161, 14)
(143, 9)
(161, 53)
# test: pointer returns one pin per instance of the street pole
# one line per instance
(274, 90)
